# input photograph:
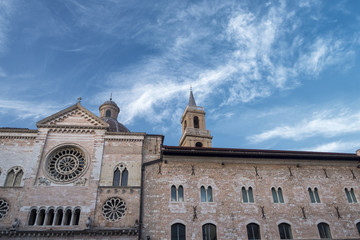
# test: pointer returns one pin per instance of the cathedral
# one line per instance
(83, 176)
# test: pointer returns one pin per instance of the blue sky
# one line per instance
(270, 74)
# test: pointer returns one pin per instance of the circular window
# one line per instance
(4, 208)
(66, 164)
(114, 209)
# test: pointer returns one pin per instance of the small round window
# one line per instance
(114, 209)
(66, 164)
(4, 208)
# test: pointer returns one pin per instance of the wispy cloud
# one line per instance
(24, 109)
(6, 8)
(252, 56)
(337, 146)
(326, 123)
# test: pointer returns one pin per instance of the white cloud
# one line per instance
(6, 8)
(327, 123)
(246, 55)
(337, 146)
(23, 109)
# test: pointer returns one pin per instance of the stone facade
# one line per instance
(227, 176)
(53, 196)
(80, 176)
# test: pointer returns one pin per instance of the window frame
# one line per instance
(208, 229)
(285, 230)
(324, 230)
(252, 235)
(179, 235)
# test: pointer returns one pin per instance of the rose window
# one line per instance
(114, 209)
(66, 164)
(4, 208)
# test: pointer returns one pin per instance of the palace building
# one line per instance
(83, 176)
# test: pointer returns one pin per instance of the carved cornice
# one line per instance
(74, 129)
(123, 140)
(18, 130)
(67, 233)
(17, 137)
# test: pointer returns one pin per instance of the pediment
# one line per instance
(73, 116)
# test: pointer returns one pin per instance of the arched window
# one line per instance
(181, 194)
(281, 198)
(59, 216)
(358, 227)
(350, 195)
(32, 217)
(209, 194)
(277, 195)
(108, 113)
(68, 215)
(185, 125)
(244, 195)
(247, 195)
(198, 144)
(124, 178)
(209, 231)
(314, 195)
(274, 194)
(178, 231)
(116, 179)
(50, 217)
(203, 194)
(76, 217)
(121, 175)
(206, 194)
(173, 193)
(285, 231)
(41, 217)
(251, 196)
(324, 230)
(253, 231)
(14, 176)
(196, 122)
(177, 194)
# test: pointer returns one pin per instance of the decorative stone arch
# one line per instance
(209, 221)
(59, 216)
(108, 113)
(14, 176)
(66, 163)
(178, 221)
(322, 221)
(251, 220)
(41, 215)
(50, 215)
(196, 120)
(198, 144)
(121, 175)
(76, 215)
(32, 216)
(283, 221)
(68, 213)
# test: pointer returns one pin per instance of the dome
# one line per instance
(109, 112)
(110, 102)
(114, 125)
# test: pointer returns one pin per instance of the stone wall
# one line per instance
(231, 215)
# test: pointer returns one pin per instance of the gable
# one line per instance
(73, 116)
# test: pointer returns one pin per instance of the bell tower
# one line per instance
(194, 132)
